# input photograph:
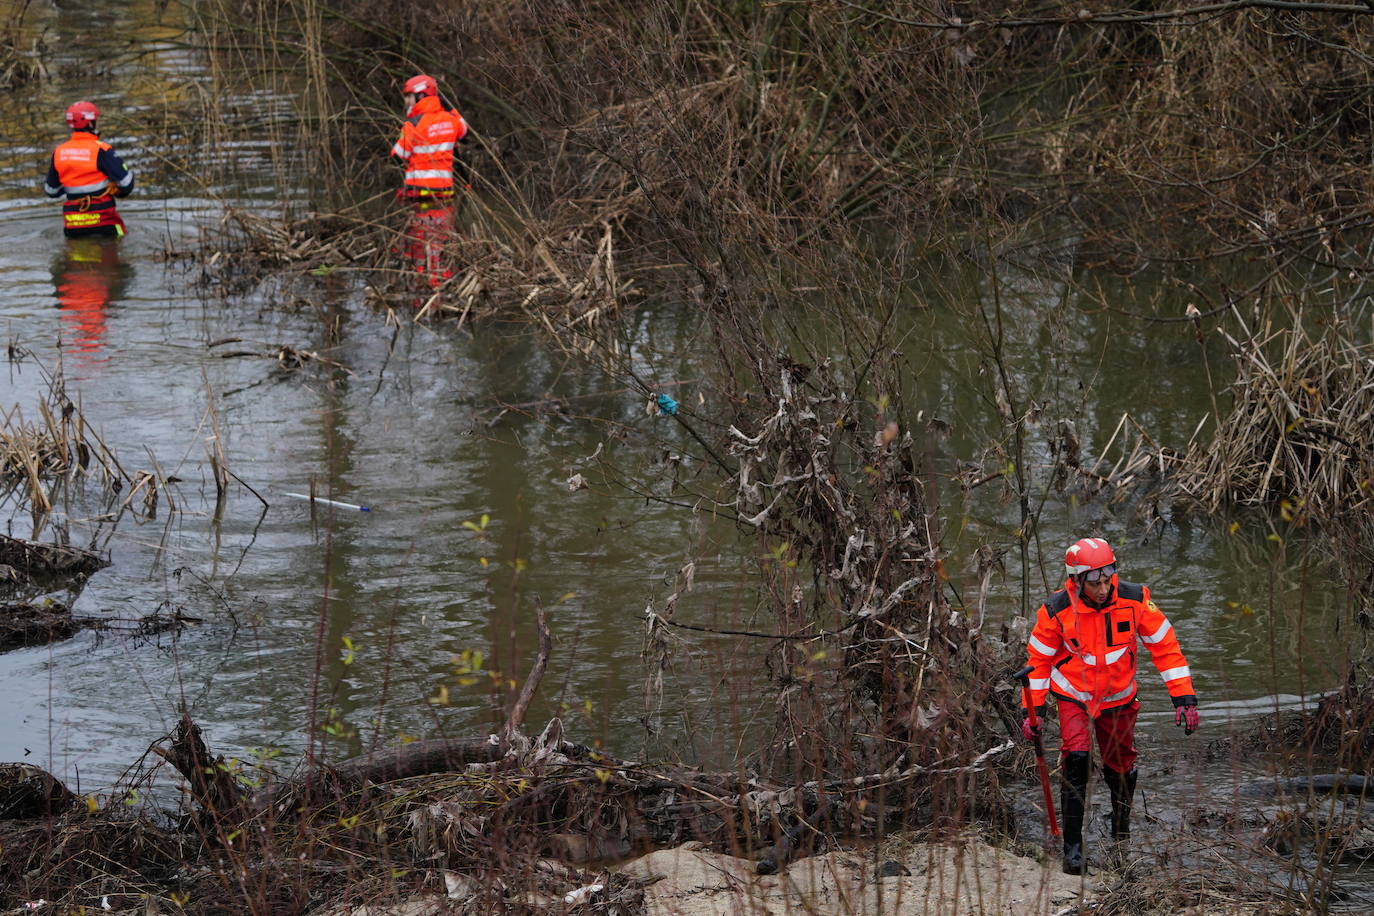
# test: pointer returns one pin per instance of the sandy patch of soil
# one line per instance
(944, 879)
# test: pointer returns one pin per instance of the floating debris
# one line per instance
(328, 502)
(31, 561)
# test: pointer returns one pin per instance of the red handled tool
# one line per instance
(1024, 677)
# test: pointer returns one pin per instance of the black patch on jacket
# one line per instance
(1057, 602)
(1130, 591)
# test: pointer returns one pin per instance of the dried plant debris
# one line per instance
(560, 272)
(28, 791)
(288, 359)
(38, 624)
(1296, 438)
(62, 447)
(31, 561)
(314, 241)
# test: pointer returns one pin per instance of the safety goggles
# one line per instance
(1094, 576)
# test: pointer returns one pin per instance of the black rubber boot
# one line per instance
(1073, 796)
(1122, 787)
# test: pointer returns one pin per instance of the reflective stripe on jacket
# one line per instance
(86, 165)
(427, 141)
(1088, 656)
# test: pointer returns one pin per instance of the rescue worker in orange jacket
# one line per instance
(89, 173)
(1082, 650)
(428, 140)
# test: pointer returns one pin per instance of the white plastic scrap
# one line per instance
(582, 894)
(457, 885)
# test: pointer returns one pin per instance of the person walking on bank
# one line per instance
(428, 139)
(1082, 650)
(89, 173)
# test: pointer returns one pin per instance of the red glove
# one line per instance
(1028, 731)
(1187, 717)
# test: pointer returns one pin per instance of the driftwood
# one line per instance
(28, 791)
(25, 624)
(450, 794)
(41, 623)
(31, 561)
(212, 784)
(439, 755)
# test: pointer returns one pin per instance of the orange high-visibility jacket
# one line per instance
(426, 144)
(86, 165)
(90, 174)
(1088, 656)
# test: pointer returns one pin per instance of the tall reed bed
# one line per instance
(21, 53)
(730, 125)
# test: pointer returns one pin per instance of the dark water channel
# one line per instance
(455, 443)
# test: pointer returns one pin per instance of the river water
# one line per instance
(461, 443)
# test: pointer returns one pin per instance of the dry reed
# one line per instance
(21, 56)
(62, 448)
(1296, 437)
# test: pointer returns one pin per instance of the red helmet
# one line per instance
(1088, 554)
(421, 85)
(81, 114)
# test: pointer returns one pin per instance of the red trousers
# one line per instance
(1115, 730)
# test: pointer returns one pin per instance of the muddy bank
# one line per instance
(544, 825)
(32, 568)
(418, 847)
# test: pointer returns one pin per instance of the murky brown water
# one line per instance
(434, 430)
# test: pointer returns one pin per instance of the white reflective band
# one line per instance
(1041, 684)
(1040, 647)
(50, 190)
(1112, 656)
(399, 150)
(1069, 689)
(1174, 674)
(1120, 694)
(434, 147)
(127, 180)
(429, 173)
(87, 188)
(1159, 634)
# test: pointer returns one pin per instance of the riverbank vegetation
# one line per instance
(730, 135)
(21, 59)
(791, 171)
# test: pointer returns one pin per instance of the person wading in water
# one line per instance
(1082, 650)
(90, 174)
(427, 146)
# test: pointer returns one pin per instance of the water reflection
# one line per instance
(88, 276)
(425, 240)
